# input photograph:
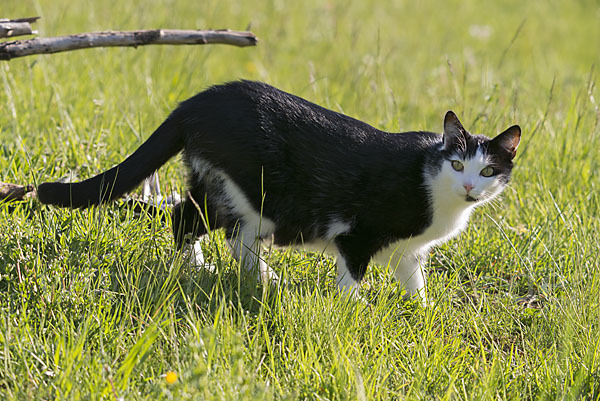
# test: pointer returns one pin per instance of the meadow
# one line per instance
(97, 304)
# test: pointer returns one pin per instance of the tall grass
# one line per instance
(97, 304)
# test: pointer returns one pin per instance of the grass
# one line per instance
(96, 304)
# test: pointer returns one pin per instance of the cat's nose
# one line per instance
(468, 187)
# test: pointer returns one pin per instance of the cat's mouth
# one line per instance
(469, 198)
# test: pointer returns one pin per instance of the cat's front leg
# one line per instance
(351, 260)
(346, 283)
(409, 270)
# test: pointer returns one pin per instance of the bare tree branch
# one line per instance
(10, 50)
(14, 192)
(25, 19)
(16, 27)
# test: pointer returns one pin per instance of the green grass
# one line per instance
(96, 304)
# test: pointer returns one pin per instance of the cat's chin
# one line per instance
(468, 198)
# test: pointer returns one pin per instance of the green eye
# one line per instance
(487, 172)
(458, 166)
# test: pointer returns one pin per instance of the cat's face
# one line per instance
(475, 168)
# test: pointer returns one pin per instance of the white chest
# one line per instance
(445, 225)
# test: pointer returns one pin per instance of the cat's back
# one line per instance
(249, 105)
(253, 126)
(257, 114)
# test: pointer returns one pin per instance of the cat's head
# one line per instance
(475, 168)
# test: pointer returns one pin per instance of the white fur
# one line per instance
(337, 227)
(193, 253)
(345, 281)
(200, 166)
(245, 242)
(251, 218)
(484, 188)
(235, 199)
(451, 213)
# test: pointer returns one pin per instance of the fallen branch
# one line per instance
(10, 192)
(10, 50)
(16, 27)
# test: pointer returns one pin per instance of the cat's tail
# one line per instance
(163, 144)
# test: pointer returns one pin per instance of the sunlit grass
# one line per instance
(97, 304)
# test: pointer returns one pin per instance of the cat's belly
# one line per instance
(317, 246)
(322, 247)
(313, 242)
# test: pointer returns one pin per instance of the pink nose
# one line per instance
(468, 187)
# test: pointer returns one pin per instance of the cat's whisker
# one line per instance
(494, 205)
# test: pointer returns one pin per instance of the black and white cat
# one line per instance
(265, 164)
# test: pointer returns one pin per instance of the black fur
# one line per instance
(299, 163)
(163, 144)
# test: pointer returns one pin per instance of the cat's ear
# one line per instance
(454, 133)
(508, 141)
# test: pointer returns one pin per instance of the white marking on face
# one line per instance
(450, 205)
(468, 184)
(472, 182)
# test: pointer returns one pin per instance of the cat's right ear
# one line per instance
(454, 133)
(508, 141)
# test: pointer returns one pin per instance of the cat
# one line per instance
(263, 163)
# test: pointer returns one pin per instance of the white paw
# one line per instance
(194, 256)
(419, 297)
(268, 275)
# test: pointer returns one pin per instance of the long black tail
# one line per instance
(163, 144)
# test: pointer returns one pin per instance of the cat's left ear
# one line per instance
(454, 133)
(508, 140)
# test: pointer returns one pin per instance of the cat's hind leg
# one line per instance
(187, 223)
(189, 230)
(245, 244)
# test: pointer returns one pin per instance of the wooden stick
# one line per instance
(16, 27)
(14, 192)
(26, 19)
(10, 50)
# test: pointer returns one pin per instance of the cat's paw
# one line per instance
(268, 276)
(351, 292)
(193, 255)
(420, 299)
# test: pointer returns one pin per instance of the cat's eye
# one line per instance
(458, 166)
(487, 171)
